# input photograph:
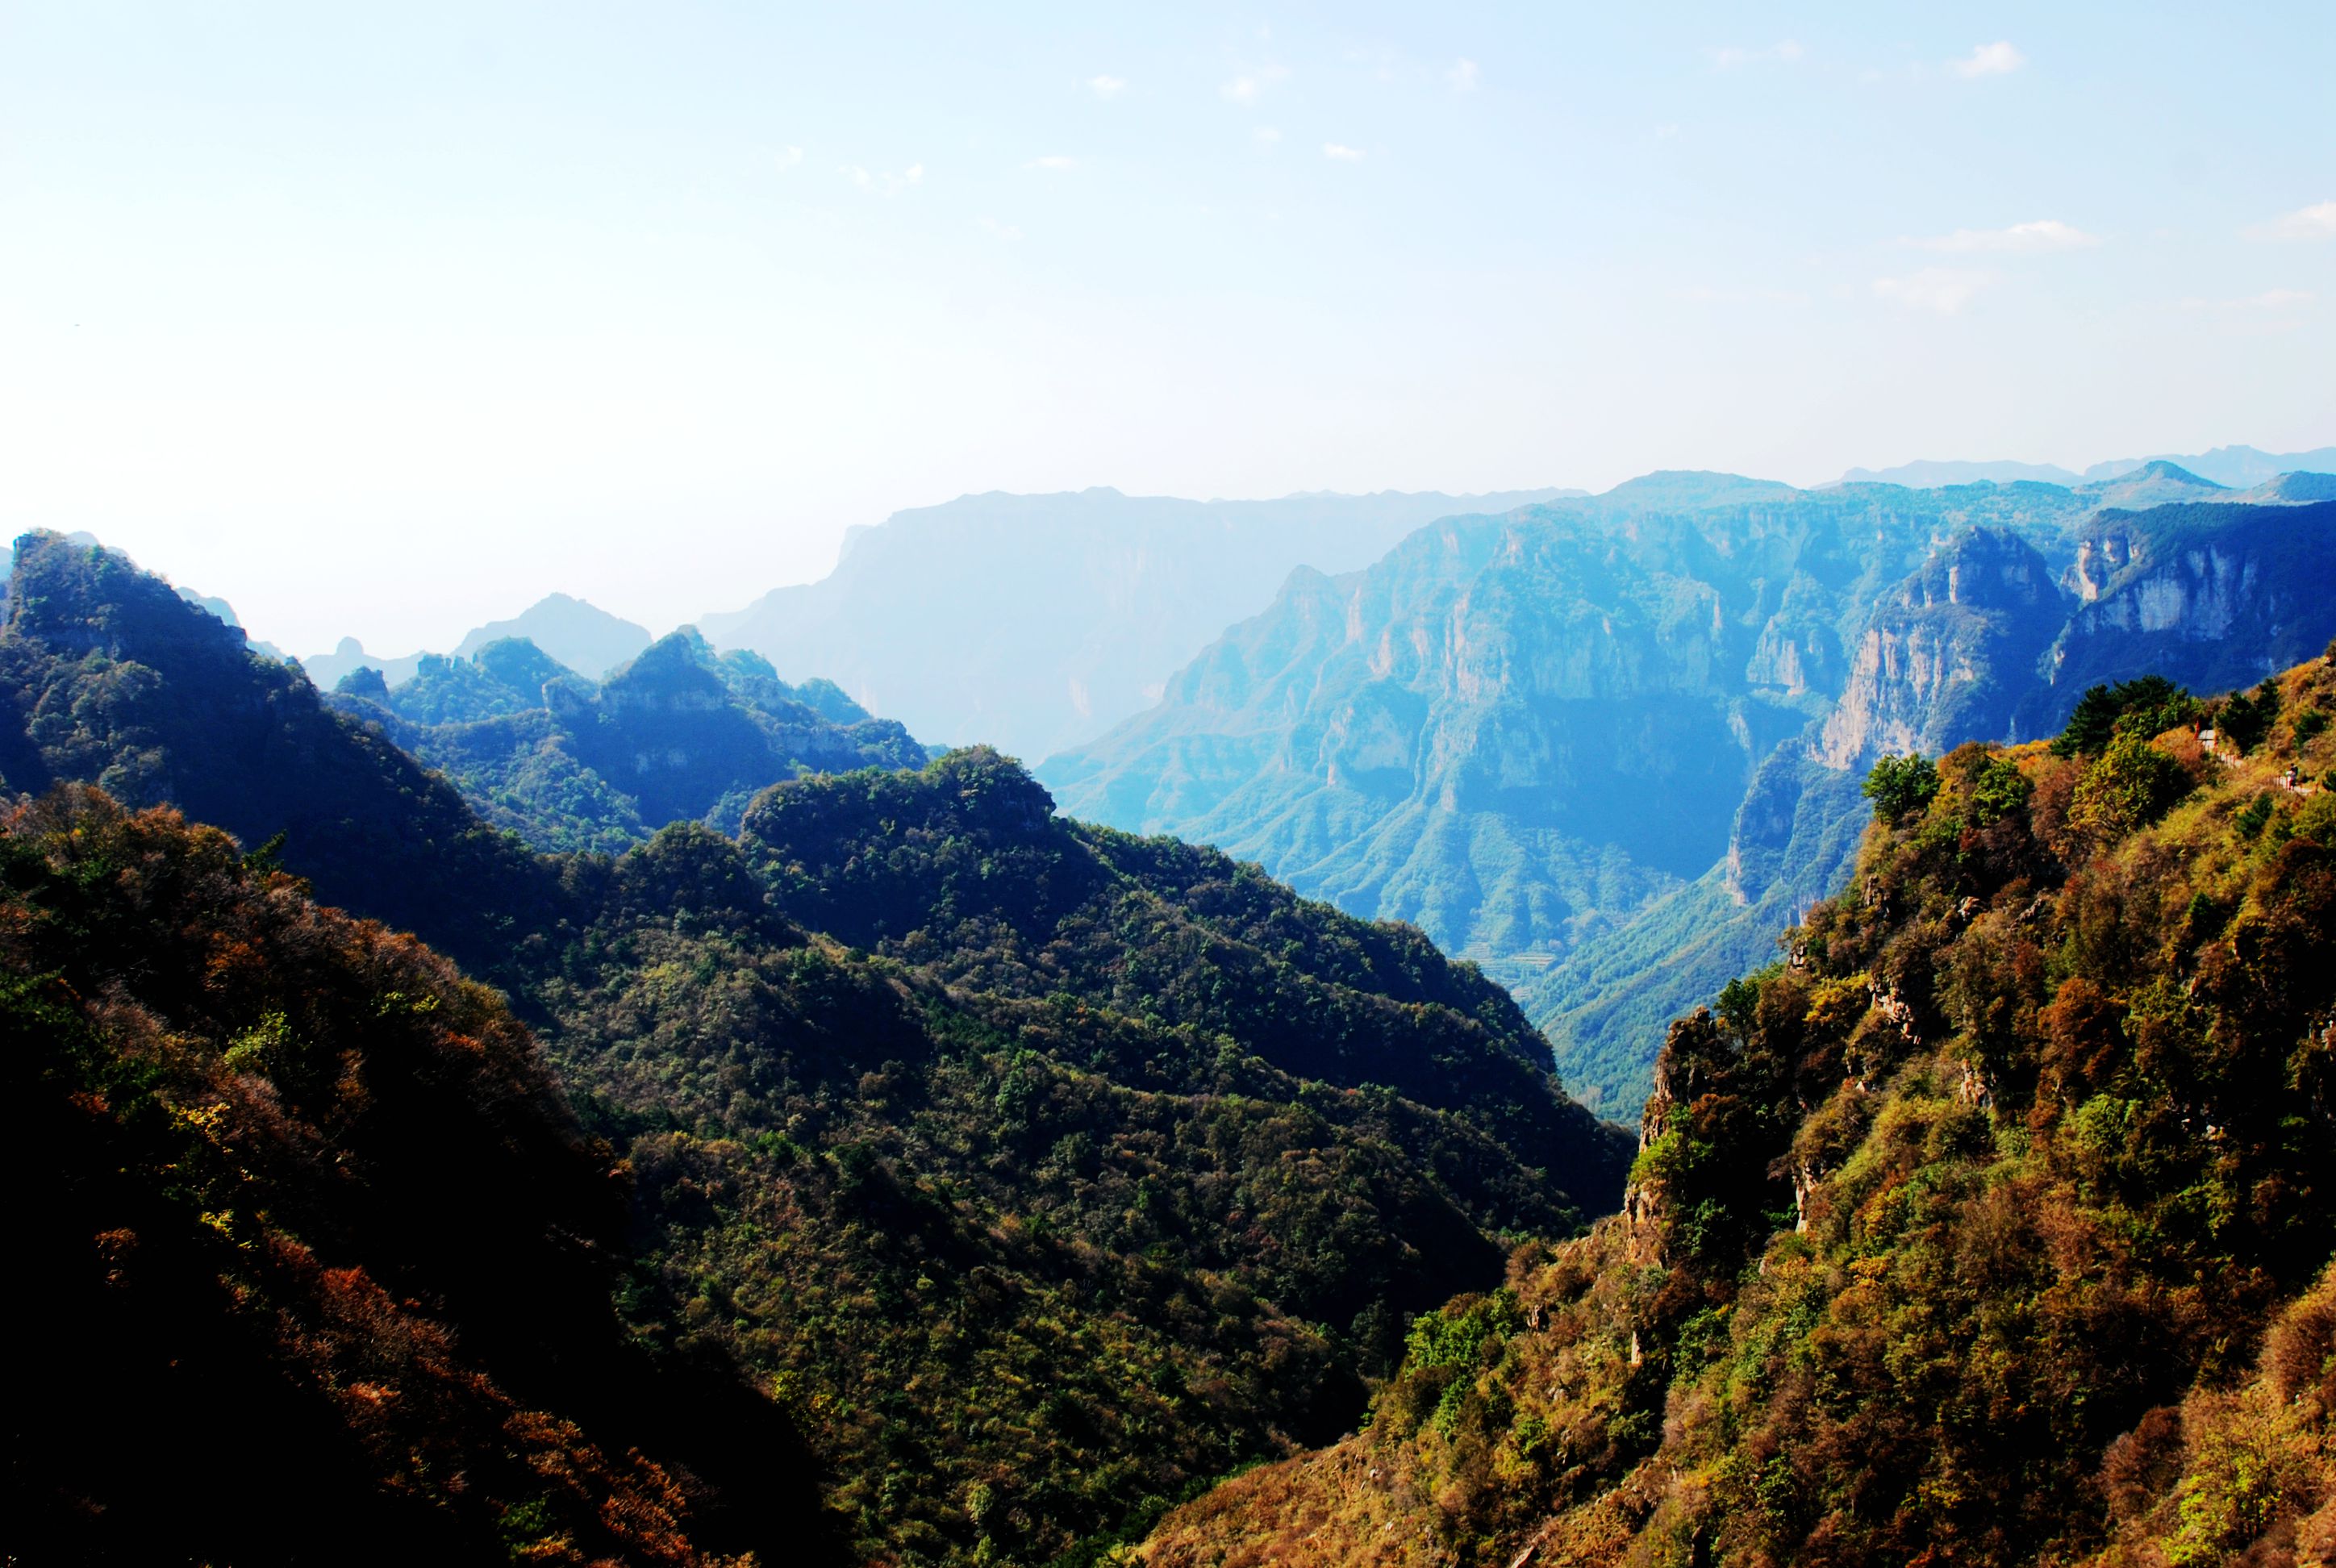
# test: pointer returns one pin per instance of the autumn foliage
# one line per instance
(1992, 1225)
(319, 1261)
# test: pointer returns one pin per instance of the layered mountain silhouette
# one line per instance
(1603, 744)
(677, 734)
(1032, 1173)
(582, 636)
(2238, 467)
(108, 676)
(1033, 622)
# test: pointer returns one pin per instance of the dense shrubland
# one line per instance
(320, 1264)
(1094, 1168)
(1036, 1174)
(1992, 1225)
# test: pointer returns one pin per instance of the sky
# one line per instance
(387, 320)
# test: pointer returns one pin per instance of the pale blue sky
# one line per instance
(389, 323)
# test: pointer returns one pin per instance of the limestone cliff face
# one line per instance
(1515, 730)
(1608, 745)
(1949, 654)
(2213, 596)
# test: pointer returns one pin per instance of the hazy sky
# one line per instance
(386, 324)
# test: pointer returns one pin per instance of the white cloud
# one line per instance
(1107, 86)
(787, 157)
(1783, 54)
(1341, 152)
(2317, 222)
(1463, 76)
(2043, 234)
(1002, 230)
(1245, 88)
(1996, 59)
(884, 183)
(1268, 133)
(1053, 161)
(1945, 289)
(1668, 131)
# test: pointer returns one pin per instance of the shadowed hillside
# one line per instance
(323, 1262)
(109, 678)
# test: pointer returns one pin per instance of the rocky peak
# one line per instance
(676, 674)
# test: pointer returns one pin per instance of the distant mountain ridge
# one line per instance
(2238, 467)
(587, 639)
(584, 638)
(1035, 622)
(1930, 474)
(1601, 743)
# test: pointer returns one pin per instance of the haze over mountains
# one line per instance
(926, 1176)
(1033, 622)
(1608, 745)
(1097, 596)
(580, 636)
(1517, 732)
(1037, 622)
(2236, 466)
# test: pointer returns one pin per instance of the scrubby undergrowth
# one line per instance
(1991, 1226)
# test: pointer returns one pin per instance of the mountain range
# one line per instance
(677, 734)
(1033, 622)
(1608, 746)
(908, 1172)
(1087, 600)
(2239, 467)
(1990, 1226)
(1018, 1174)
(580, 636)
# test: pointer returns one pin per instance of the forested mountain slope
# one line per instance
(1036, 1173)
(321, 1264)
(1992, 1225)
(108, 678)
(1091, 1167)
(1606, 747)
(677, 734)
(1033, 622)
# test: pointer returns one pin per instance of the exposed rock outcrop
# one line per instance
(1949, 654)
